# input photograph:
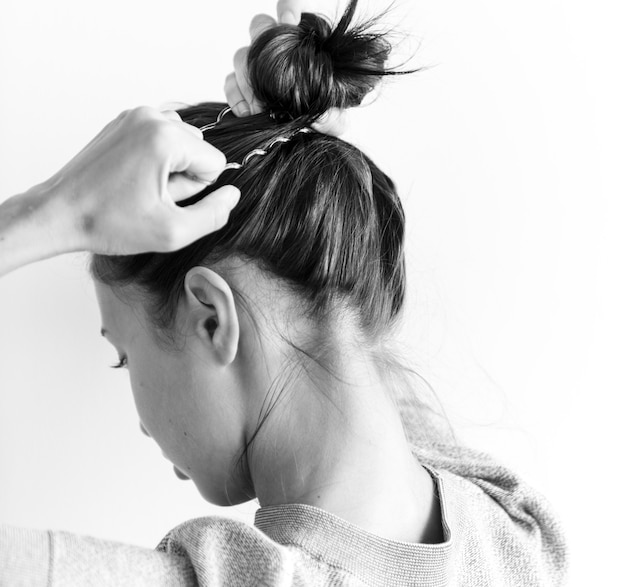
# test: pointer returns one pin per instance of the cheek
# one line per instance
(177, 406)
(156, 387)
(190, 413)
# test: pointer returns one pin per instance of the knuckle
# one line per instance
(171, 115)
(141, 113)
(124, 113)
(158, 135)
(171, 237)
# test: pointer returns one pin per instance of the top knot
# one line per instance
(307, 69)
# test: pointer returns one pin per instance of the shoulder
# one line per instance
(497, 517)
(211, 551)
(241, 554)
(214, 539)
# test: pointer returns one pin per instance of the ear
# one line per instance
(211, 312)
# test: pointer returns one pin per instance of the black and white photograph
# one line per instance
(312, 293)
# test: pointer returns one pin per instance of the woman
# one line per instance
(260, 355)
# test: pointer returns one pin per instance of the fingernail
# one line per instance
(241, 109)
(288, 17)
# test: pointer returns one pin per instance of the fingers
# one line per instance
(240, 62)
(171, 115)
(181, 186)
(209, 214)
(130, 178)
(176, 119)
(289, 11)
(172, 105)
(234, 97)
(259, 24)
(333, 122)
(239, 94)
(196, 158)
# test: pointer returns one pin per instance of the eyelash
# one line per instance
(123, 363)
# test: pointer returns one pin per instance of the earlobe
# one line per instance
(212, 312)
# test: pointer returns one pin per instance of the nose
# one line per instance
(143, 429)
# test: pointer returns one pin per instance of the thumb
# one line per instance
(181, 186)
(333, 122)
(209, 214)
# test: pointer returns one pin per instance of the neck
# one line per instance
(338, 443)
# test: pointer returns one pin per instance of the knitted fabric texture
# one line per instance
(497, 531)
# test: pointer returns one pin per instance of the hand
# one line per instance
(120, 191)
(239, 94)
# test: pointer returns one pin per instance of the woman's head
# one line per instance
(310, 265)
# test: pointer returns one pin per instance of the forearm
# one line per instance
(119, 195)
(32, 228)
(42, 558)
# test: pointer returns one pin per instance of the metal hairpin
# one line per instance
(265, 151)
(221, 115)
(254, 152)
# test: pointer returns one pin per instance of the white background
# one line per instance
(509, 155)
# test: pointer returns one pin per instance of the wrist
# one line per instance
(36, 225)
(53, 216)
(38, 221)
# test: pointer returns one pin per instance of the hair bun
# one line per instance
(307, 69)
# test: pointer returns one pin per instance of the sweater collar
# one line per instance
(338, 543)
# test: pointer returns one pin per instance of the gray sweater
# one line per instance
(498, 532)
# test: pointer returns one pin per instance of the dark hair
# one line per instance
(307, 69)
(315, 212)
